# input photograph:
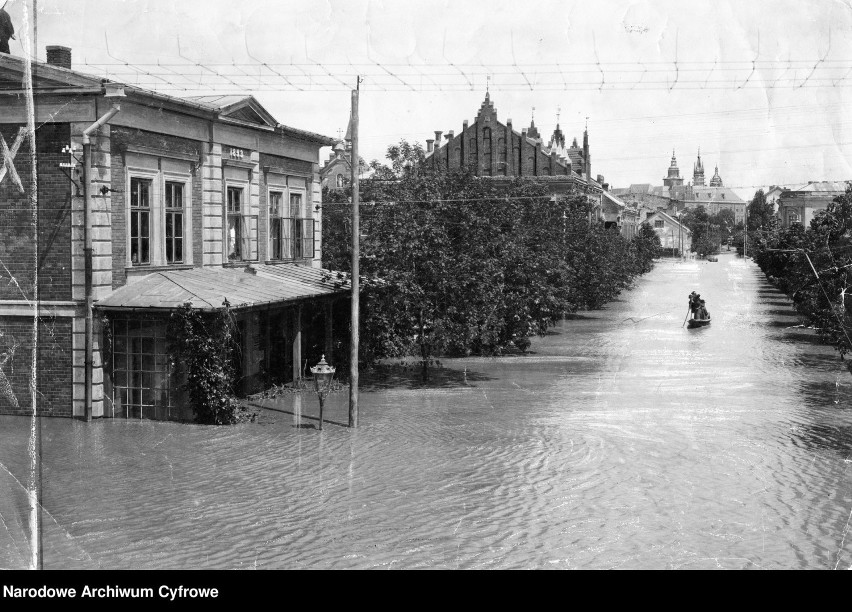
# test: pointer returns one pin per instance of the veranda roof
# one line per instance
(208, 288)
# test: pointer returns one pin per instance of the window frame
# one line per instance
(246, 236)
(152, 177)
(157, 214)
(185, 181)
(279, 220)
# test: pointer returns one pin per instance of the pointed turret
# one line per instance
(698, 171)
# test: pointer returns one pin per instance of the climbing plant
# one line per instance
(201, 348)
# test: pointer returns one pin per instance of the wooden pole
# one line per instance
(353, 356)
(686, 317)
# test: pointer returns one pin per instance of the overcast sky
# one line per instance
(761, 87)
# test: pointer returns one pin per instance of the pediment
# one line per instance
(249, 111)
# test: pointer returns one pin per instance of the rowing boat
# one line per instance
(698, 322)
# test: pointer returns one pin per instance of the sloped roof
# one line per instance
(207, 288)
(715, 194)
(613, 199)
(671, 220)
(47, 76)
(822, 186)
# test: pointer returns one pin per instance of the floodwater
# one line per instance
(623, 440)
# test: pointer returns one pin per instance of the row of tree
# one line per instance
(812, 265)
(463, 265)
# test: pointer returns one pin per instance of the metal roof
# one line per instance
(208, 288)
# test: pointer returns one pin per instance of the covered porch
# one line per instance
(284, 318)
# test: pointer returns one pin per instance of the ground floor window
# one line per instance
(139, 369)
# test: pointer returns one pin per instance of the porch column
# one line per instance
(297, 343)
(329, 345)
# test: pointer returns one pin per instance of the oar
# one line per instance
(686, 317)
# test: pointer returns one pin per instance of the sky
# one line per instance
(761, 87)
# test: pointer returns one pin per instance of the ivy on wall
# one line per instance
(201, 348)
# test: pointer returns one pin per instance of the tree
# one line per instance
(760, 212)
(813, 266)
(472, 265)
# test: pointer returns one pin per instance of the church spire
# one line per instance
(698, 171)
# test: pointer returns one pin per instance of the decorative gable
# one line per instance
(250, 111)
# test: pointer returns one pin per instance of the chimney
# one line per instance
(429, 142)
(450, 135)
(438, 137)
(464, 125)
(59, 56)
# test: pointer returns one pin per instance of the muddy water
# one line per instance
(622, 441)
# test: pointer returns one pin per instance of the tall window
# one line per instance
(174, 222)
(235, 201)
(140, 220)
(279, 228)
(298, 229)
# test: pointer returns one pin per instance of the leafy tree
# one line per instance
(813, 266)
(472, 265)
(760, 212)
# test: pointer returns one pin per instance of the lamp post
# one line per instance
(323, 375)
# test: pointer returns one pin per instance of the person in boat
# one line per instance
(702, 312)
(694, 303)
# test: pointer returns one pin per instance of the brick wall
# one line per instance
(18, 238)
(53, 366)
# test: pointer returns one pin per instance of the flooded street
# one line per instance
(623, 440)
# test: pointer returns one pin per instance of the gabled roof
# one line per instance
(243, 109)
(207, 288)
(669, 219)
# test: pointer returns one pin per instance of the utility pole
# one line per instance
(353, 355)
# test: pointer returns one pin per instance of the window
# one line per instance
(303, 228)
(139, 370)
(279, 228)
(235, 209)
(340, 180)
(140, 221)
(793, 217)
(174, 222)
(659, 223)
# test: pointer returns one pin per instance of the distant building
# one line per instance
(617, 214)
(673, 195)
(675, 238)
(773, 196)
(337, 171)
(490, 148)
(800, 204)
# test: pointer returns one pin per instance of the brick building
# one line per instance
(194, 200)
(490, 148)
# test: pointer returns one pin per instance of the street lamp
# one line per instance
(323, 375)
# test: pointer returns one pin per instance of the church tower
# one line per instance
(716, 181)
(698, 172)
(673, 179)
